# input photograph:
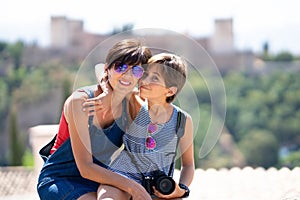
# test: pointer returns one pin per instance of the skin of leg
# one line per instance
(88, 196)
(108, 192)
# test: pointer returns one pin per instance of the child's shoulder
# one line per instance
(178, 109)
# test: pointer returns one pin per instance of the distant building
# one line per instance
(70, 34)
(65, 32)
(222, 40)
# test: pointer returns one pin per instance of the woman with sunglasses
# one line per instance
(151, 139)
(85, 144)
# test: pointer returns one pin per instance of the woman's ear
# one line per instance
(100, 71)
(105, 67)
(171, 91)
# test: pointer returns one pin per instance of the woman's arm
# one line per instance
(79, 134)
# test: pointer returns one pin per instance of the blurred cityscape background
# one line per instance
(253, 44)
(262, 89)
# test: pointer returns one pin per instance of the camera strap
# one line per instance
(180, 127)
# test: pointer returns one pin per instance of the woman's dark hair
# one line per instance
(129, 51)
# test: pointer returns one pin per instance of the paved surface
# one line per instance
(246, 184)
(211, 184)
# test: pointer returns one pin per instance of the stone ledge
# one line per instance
(224, 184)
(211, 184)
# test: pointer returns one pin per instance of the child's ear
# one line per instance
(171, 91)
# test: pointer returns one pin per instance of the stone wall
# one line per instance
(224, 184)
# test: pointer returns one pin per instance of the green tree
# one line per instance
(260, 148)
(292, 160)
(284, 56)
(4, 103)
(16, 52)
(16, 146)
(2, 47)
(3, 96)
(266, 51)
(15, 77)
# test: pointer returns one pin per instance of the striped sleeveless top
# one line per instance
(136, 161)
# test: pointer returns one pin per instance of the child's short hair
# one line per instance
(173, 69)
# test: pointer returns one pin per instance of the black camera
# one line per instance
(164, 184)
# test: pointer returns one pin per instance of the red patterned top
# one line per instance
(63, 133)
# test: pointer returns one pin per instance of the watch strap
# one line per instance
(186, 188)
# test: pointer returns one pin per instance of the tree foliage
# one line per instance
(16, 142)
(262, 115)
(15, 52)
(20, 86)
(264, 102)
(260, 148)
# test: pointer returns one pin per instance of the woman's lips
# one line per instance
(125, 83)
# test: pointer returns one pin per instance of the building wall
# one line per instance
(70, 35)
(222, 40)
(59, 32)
(65, 32)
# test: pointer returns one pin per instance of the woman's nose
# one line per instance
(128, 72)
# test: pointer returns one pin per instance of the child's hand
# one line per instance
(177, 193)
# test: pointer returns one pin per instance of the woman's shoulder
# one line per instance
(73, 104)
(88, 90)
(81, 94)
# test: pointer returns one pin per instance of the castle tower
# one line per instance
(65, 32)
(222, 40)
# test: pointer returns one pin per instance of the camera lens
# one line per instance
(165, 185)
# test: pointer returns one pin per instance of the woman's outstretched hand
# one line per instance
(140, 193)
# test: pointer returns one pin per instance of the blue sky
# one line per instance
(255, 21)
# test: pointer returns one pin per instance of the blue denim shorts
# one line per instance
(65, 188)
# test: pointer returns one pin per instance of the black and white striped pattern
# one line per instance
(136, 160)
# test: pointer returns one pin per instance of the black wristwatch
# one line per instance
(187, 190)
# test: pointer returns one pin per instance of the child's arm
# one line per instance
(187, 162)
(187, 150)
